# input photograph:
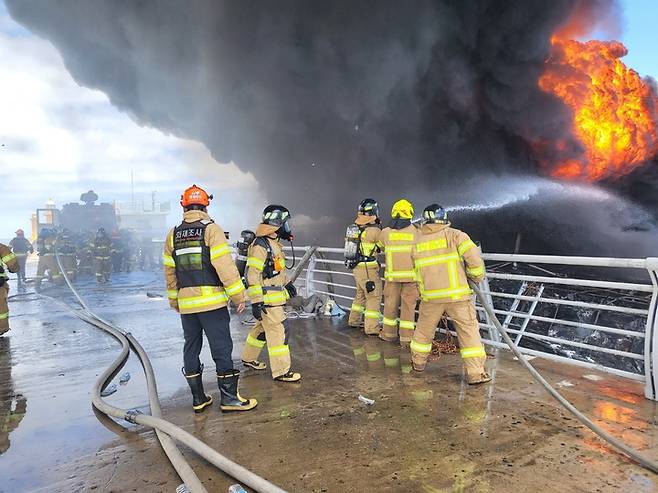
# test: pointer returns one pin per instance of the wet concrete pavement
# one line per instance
(426, 432)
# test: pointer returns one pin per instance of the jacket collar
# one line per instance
(266, 230)
(427, 229)
(195, 215)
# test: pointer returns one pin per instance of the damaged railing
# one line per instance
(593, 312)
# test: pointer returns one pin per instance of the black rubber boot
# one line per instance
(231, 399)
(199, 398)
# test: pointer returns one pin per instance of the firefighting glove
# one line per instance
(292, 290)
(257, 310)
(370, 286)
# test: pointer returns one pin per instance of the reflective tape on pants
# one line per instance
(372, 314)
(358, 308)
(4, 316)
(421, 348)
(279, 350)
(473, 352)
(390, 321)
(253, 342)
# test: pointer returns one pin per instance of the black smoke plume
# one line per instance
(328, 102)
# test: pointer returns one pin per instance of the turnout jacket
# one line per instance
(8, 261)
(397, 245)
(267, 277)
(222, 280)
(444, 259)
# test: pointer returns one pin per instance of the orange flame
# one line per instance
(614, 110)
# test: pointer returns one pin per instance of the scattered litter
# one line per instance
(564, 383)
(365, 400)
(594, 378)
(124, 378)
(151, 294)
(284, 413)
(182, 488)
(527, 356)
(236, 488)
(109, 390)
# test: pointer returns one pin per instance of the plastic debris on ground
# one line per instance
(124, 378)
(366, 401)
(564, 383)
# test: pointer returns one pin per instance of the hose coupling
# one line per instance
(131, 415)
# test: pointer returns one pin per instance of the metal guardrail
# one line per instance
(594, 322)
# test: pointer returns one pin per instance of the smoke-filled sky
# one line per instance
(317, 103)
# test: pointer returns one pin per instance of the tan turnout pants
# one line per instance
(48, 263)
(272, 332)
(468, 334)
(4, 309)
(366, 304)
(402, 297)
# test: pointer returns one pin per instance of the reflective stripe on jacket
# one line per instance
(7, 258)
(444, 259)
(397, 245)
(195, 299)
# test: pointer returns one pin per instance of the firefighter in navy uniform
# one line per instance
(269, 290)
(21, 247)
(364, 235)
(103, 256)
(8, 263)
(201, 278)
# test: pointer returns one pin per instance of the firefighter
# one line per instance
(445, 259)
(365, 267)
(269, 290)
(21, 247)
(47, 261)
(102, 256)
(129, 251)
(201, 277)
(86, 254)
(8, 263)
(117, 252)
(396, 242)
(67, 253)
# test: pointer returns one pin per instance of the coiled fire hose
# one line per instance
(604, 435)
(164, 429)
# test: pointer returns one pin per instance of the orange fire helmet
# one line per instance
(195, 196)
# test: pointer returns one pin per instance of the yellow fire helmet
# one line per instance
(402, 209)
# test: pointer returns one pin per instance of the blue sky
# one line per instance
(640, 35)
(61, 139)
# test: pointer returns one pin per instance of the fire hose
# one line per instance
(633, 454)
(165, 430)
